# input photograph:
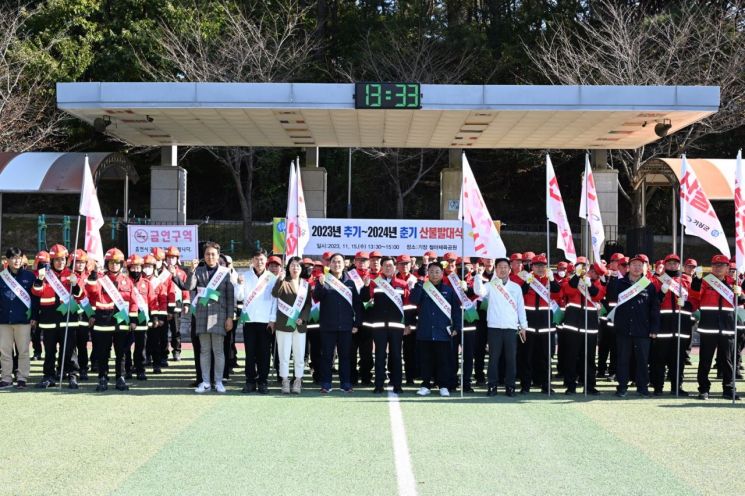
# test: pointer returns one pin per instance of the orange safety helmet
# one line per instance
(148, 260)
(58, 251)
(134, 259)
(172, 251)
(158, 253)
(41, 258)
(114, 255)
(81, 255)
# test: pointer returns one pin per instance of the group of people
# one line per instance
(375, 320)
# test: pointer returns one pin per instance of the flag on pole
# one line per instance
(739, 216)
(557, 214)
(296, 219)
(696, 213)
(472, 209)
(91, 210)
(590, 207)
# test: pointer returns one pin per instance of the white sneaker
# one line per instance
(423, 391)
(219, 387)
(203, 388)
(444, 392)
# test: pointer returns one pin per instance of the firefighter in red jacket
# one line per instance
(532, 355)
(583, 292)
(672, 290)
(717, 325)
(178, 297)
(145, 301)
(82, 330)
(52, 287)
(158, 311)
(111, 297)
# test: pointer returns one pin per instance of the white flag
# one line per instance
(590, 207)
(90, 208)
(739, 216)
(297, 232)
(556, 213)
(472, 209)
(696, 213)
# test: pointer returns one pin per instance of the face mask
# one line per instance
(148, 271)
(136, 275)
(562, 273)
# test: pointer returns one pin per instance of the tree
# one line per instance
(687, 43)
(258, 42)
(28, 116)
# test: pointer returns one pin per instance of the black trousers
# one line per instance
(723, 345)
(388, 344)
(154, 346)
(662, 358)
(36, 341)
(639, 346)
(479, 348)
(341, 341)
(257, 340)
(411, 357)
(574, 359)
(54, 337)
(103, 341)
(140, 339)
(502, 346)
(606, 348)
(82, 333)
(174, 328)
(435, 358)
(532, 360)
(316, 353)
(362, 343)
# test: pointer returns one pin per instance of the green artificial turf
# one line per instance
(162, 438)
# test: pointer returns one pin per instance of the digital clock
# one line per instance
(387, 96)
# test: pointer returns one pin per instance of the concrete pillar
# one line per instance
(314, 184)
(450, 183)
(168, 189)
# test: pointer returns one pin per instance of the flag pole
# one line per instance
(462, 278)
(734, 351)
(587, 251)
(74, 258)
(677, 353)
(548, 264)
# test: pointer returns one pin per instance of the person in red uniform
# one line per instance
(606, 336)
(362, 341)
(82, 330)
(52, 287)
(516, 267)
(692, 270)
(145, 301)
(666, 357)
(403, 264)
(178, 298)
(583, 292)
(532, 355)
(41, 260)
(716, 327)
(111, 297)
(158, 311)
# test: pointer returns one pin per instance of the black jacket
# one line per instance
(638, 317)
(336, 314)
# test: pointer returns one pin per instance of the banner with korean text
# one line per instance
(391, 237)
(144, 238)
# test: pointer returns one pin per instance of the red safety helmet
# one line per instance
(134, 260)
(81, 255)
(148, 259)
(172, 251)
(114, 255)
(41, 258)
(58, 251)
(158, 253)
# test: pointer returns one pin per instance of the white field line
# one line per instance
(404, 472)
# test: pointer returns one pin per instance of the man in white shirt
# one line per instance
(505, 320)
(260, 308)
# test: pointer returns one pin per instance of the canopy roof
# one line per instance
(50, 172)
(716, 175)
(324, 115)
